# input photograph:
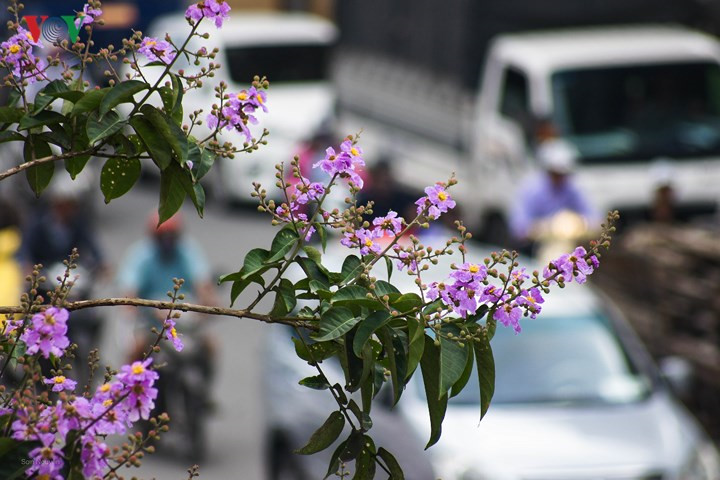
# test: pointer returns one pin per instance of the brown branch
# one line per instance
(39, 161)
(183, 307)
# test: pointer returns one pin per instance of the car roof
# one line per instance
(547, 51)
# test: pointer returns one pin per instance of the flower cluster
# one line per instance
(343, 163)
(112, 410)
(436, 201)
(573, 266)
(461, 294)
(369, 240)
(17, 56)
(238, 111)
(219, 11)
(47, 333)
(87, 16)
(157, 50)
(172, 335)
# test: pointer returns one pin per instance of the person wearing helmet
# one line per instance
(549, 193)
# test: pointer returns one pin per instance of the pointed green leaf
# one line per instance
(395, 345)
(44, 97)
(42, 119)
(285, 299)
(365, 462)
(101, 128)
(169, 130)
(255, 262)
(453, 359)
(396, 473)
(325, 435)
(318, 382)
(282, 244)
(383, 288)
(437, 405)
(313, 253)
(416, 344)
(155, 144)
(351, 268)
(465, 377)
(121, 93)
(11, 114)
(118, 176)
(172, 191)
(90, 101)
(240, 285)
(485, 365)
(10, 136)
(334, 323)
(366, 328)
(40, 175)
(313, 271)
(406, 302)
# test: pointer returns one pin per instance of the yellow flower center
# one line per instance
(47, 453)
(151, 43)
(530, 299)
(59, 379)
(173, 332)
(49, 319)
(14, 48)
(474, 269)
(43, 477)
(259, 99)
(442, 196)
(137, 368)
(368, 242)
(242, 96)
(354, 151)
(105, 387)
(107, 402)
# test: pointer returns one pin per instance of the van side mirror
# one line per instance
(678, 372)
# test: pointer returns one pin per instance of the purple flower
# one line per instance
(509, 315)
(60, 383)
(155, 49)
(314, 191)
(94, 458)
(47, 333)
(390, 223)
(532, 300)
(87, 16)
(437, 201)
(171, 334)
(572, 266)
(46, 462)
(470, 273)
(138, 380)
(343, 164)
(406, 260)
(17, 56)
(219, 11)
(309, 233)
(238, 111)
(363, 239)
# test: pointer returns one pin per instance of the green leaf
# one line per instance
(351, 268)
(383, 288)
(255, 262)
(406, 302)
(169, 130)
(322, 233)
(40, 175)
(11, 114)
(313, 253)
(70, 95)
(334, 323)
(334, 465)
(10, 136)
(363, 418)
(45, 96)
(42, 119)
(197, 194)
(202, 159)
(392, 464)
(313, 271)
(285, 299)
(395, 344)
(282, 244)
(437, 405)
(465, 377)
(90, 101)
(315, 352)
(79, 142)
(485, 364)
(325, 435)
(352, 366)
(389, 267)
(121, 93)
(239, 286)
(101, 128)
(355, 296)
(366, 328)
(173, 186)
(416, 344)
(365, 462)
(118, 176)
(177, 111)
(318, 382)
(353, 446)
(155, 144)
(453, 359)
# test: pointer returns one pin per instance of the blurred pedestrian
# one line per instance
(11, 278)
(550, 192)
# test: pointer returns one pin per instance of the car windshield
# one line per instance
(279, 63)
(561, 359)
(639, 113)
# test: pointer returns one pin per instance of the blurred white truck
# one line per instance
(641, 103)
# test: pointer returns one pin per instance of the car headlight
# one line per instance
(703, 464)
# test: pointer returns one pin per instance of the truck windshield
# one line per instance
(279, 63)
(640, 113)
(569, 359)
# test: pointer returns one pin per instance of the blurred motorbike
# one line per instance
(184, 386)
(559, 234)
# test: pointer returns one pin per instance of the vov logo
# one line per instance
(52, 29)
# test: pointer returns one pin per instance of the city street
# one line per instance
(235, 430)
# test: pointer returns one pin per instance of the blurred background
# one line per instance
(548, 113)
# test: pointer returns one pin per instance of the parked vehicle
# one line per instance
(293, 51)
(626, 96)
(576, 397)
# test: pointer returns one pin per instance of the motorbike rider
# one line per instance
(11, 278)
(549, 193)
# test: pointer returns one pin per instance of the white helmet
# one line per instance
(558, 156)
